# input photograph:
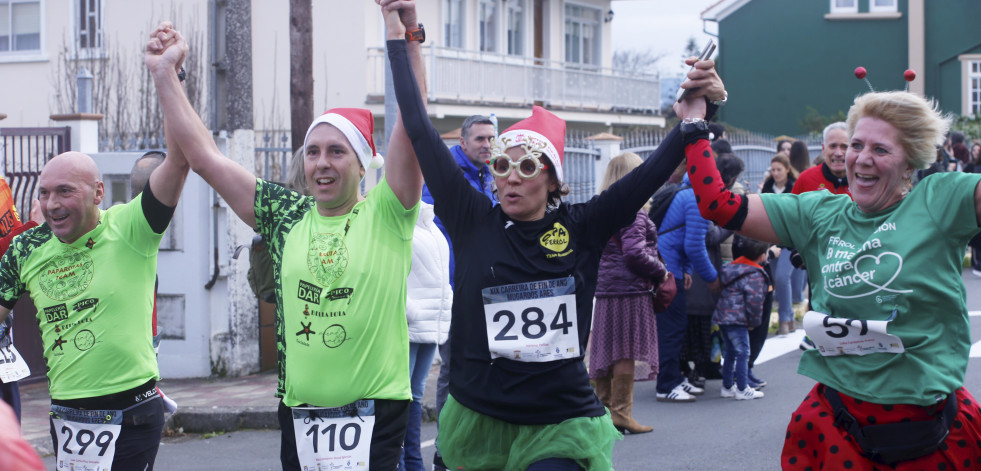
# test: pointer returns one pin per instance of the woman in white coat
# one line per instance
(428, 304)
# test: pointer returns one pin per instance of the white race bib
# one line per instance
(334, 438)
(86, 438)
(835, 336)
(12, 365)
(533, 321)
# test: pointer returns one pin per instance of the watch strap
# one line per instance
(418, 34)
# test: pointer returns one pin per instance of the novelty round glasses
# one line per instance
(528, 166)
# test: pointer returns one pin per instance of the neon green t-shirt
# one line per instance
(94, 301)
(340, 296)
(905, 259)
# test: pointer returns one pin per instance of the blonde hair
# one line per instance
(920, 124)
(618, 167)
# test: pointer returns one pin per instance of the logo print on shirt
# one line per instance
(84, 304)
(556, 240)
(67, 275)
(334, 336)
(56, 313)
(58, 343)
(327, 258)
(84, 340)
(90, 243)
(308, 292)
(306, 330)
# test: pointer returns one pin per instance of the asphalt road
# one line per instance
(710, 434)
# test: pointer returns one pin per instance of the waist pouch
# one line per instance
(892, 443)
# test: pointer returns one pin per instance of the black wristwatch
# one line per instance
(418, 34)
(693, 125)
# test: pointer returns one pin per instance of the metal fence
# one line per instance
(24, 152)
(755, 149)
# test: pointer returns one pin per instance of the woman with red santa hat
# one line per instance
(520, 396)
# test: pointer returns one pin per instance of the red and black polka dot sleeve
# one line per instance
(715, 202)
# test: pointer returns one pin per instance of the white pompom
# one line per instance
(376, 161)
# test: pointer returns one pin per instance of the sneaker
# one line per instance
(728, 392)
(747, 394)
(755, 382)
(677, 394)
(807, 344)
(438, 464)
(976, 272)
(691, 388)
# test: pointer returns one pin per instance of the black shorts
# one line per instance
(391, 420)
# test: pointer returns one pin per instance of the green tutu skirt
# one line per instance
(471, 441)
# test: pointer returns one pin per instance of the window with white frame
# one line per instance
(582, 34)
(487, 14)
(89, 25)
(20, 25)
(844, 6)
(516, 27)
(883, 5)
(973, 86)
(453, 23)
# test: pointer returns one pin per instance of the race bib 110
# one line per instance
(334, 438)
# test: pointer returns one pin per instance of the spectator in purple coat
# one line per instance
(624, 326)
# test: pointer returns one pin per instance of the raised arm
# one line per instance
(743, 214)
(183, 127)
(402, 172)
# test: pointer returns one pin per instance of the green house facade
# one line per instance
(780, 58)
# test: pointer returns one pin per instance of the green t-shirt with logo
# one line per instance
(94, 301)
(906, 259)
(340, 296)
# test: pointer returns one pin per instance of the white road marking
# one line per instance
(776, 346)
(427, 443)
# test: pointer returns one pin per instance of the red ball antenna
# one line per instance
(909, 75)
(860, 73)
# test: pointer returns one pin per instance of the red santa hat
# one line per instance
(357, 125)
(542, 130)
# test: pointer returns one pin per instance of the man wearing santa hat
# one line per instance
(340, 260)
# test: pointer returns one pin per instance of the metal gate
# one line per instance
(24, 152)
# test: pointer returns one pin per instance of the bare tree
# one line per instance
(635, 61)
(122, 90)
(301, 70)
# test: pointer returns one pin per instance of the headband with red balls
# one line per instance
(860, 74)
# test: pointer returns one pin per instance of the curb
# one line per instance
(226, 419)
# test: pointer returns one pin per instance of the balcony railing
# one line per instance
(471, 77)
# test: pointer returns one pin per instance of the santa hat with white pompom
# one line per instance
(357, 125)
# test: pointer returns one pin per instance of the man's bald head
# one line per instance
(80, 166)
(70, 191)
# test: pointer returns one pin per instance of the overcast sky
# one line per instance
(661, 25)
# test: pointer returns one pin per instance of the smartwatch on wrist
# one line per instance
(418, 34)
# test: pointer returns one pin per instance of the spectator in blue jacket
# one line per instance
(471, 155)
(684, 251)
